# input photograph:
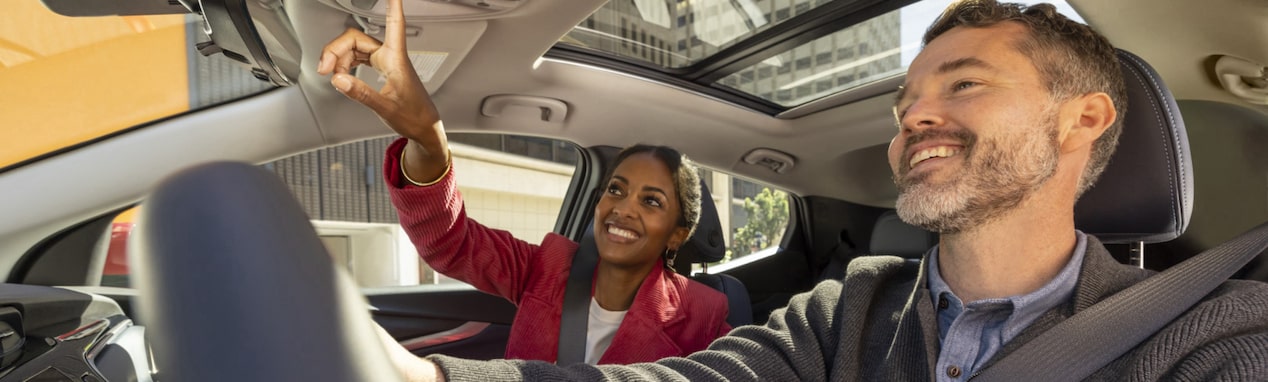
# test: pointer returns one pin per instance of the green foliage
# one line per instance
(767, 219)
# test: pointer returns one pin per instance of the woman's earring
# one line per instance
(670, 255)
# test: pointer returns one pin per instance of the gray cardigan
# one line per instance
(879, 324)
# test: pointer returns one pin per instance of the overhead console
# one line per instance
(439, 33)
(430, 10)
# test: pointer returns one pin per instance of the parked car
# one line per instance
(786, 105)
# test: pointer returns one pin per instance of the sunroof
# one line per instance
(678, 33)
(673, 35)
(866, 52)
(874, 49)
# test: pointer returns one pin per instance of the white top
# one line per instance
(602, 326)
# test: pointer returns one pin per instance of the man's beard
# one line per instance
(997, 175)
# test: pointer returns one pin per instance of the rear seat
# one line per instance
(894, 237)
(891, 236)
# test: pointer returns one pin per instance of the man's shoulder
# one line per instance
(883, 282)
(1224, 336)
(881, 268)
(1228, 332)
(1241, 295)
(867, 277)
(1236, 308)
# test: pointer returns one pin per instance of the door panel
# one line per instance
(454, 320)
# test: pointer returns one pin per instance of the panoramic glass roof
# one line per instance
(783, 53)
(678, 33)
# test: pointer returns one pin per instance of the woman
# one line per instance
(640, 310)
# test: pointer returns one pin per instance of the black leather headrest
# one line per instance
(1146, 192)
(706, 244)
(892, 236)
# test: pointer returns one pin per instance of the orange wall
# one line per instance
(66, 80)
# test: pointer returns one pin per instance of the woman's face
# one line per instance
(636, 219)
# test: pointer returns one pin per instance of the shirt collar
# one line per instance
(1025, 308)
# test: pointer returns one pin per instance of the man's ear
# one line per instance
(1088, 117)
(678, 237)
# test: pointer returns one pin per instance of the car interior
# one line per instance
(231, 281)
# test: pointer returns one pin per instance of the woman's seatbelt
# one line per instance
(1079, 346)
(574, 321)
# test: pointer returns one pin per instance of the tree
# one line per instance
(767, 219)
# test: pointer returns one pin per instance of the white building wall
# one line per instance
(517, 194)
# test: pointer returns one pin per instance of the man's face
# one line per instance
(977, 130)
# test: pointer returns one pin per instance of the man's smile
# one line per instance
(940, 151)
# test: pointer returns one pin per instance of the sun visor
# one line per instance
(96, 8)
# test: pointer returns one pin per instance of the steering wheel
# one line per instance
(236, 286)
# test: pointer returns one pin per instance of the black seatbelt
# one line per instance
(574, 321)
(1079, 346)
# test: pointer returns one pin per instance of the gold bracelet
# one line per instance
(448, 165)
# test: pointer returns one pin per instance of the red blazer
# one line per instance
(671, 315)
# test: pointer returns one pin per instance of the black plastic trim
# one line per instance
(238, 17)
(576, 199)
(97, 8)
(26, 265)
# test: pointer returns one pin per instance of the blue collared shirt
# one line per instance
(971, 333)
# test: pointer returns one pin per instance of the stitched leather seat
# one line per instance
(1146, 191)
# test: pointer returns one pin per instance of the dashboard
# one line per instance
(62, 334)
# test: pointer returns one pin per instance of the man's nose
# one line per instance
(922, 115)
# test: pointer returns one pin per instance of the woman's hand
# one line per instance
(403, 104)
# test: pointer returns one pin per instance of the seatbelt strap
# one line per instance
(574, 321)
(1079, 346)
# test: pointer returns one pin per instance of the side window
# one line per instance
(342, 190)
(512, 183)
(754, 215)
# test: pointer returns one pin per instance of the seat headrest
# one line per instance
(238, 227)
(892, 236)
(1146, 191)
(706, 244)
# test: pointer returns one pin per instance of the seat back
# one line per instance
(706, 246)
(892, 236)
(231, 273)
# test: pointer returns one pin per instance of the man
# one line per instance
(1007, 116)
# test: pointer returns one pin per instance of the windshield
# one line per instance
(69, 80)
